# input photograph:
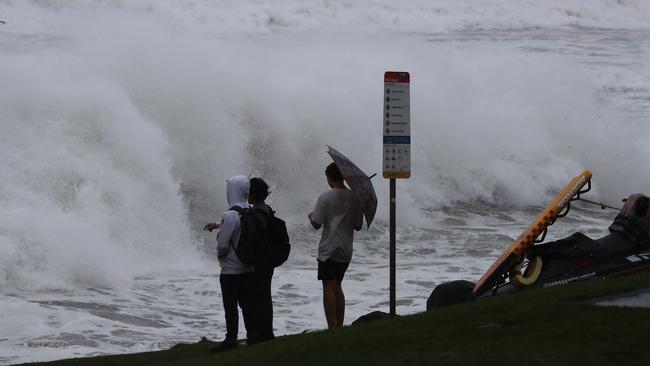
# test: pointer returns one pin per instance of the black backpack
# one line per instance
(279, 240)
(264, 240)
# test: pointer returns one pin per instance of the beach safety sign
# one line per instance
(396, 125)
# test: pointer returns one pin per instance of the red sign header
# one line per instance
(396, 77)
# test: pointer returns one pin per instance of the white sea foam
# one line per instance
(232, 17)
(121, 120)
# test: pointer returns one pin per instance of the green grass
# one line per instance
(555, 327)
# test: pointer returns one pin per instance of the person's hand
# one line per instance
(211, 226)
(313, 224)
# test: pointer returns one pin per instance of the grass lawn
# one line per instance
(557, 326)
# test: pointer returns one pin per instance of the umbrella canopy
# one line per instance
(358, 182)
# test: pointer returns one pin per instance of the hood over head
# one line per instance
(237, 190)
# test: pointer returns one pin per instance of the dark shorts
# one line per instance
(330, 270)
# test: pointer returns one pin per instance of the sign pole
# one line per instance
(396, 160)
(392, 248)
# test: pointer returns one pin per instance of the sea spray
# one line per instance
(123, 126)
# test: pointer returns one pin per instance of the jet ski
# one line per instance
(530, 263)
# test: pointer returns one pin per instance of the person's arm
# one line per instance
(317, 216)
(212, 226)
(226, 230)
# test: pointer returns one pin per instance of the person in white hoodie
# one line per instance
(236, 277)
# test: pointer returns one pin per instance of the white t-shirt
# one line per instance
(340, 212)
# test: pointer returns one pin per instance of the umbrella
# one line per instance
(358, 182)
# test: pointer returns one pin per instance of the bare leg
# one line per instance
(340, 305)
(330, 303)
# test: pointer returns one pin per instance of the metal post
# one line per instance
(392, 248)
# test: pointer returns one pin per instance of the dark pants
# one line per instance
(264, 302)
(237, 289)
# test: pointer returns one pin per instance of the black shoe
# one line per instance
(267, 337)
(253, 341)
(256, 340)
(224, 346)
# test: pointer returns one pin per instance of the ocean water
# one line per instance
(640, 299)
(121, 120)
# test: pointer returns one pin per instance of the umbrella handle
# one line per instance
(370, 177)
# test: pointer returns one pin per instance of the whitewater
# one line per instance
(121, 120)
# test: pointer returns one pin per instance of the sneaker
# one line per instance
(224, 346)
(252, 342)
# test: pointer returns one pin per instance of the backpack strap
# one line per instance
(238, 209)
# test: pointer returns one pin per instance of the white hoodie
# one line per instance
(229, 231)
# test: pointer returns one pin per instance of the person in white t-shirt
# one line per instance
(338, 211)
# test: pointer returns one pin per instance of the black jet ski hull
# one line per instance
(580, 258)
(573, 259)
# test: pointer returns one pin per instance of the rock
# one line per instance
(451, 293)
(375, 315)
